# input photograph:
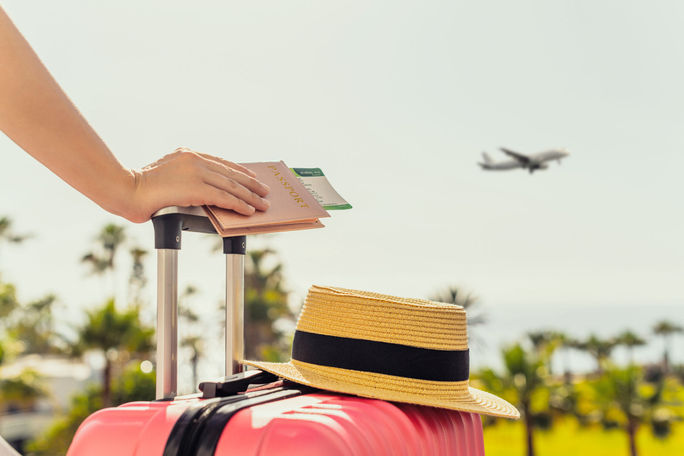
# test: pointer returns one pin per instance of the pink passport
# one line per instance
(292, 206)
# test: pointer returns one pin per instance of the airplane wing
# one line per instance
(524, 159)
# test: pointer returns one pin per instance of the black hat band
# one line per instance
(381, 357)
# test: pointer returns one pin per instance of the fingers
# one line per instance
(233, 187)
(217, 197)
(246, 181)
(229, 164)
(186, 177)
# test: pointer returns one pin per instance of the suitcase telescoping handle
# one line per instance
(169, 224)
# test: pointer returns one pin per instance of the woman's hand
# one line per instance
(37, 115)
(188, 178)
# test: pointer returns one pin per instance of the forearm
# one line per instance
(37, 115)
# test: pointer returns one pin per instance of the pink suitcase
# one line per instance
(271, 418)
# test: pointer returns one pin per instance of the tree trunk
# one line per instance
(194, 361)
(666, 356)
(566, 366)
(599, 366)
(106, 383)
(528, 428)
(631, 434)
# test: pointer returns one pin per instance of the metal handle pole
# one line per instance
(235, 301)
(167, 323)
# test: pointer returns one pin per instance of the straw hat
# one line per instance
(384, 347)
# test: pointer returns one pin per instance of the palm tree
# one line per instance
(666, 329)
(137, 280)
(545, 343)
(470, 302)
(193, 342)
(599, 348)
(618, 390)
(8, 300)
(266, 301)
(22, 390)
(467, 300)
(36, 328)
(108, 241)
(110, 331)
(630, 340)
(196, 346)
(565, 344)
(523, 378)
(7, 233)
(8, 295)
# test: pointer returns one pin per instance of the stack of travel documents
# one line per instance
(299, 199)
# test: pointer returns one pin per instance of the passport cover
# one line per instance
(292, 206)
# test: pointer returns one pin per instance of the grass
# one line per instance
(567, 438)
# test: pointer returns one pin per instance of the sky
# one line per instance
(395, 101)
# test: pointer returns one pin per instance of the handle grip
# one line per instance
(169, 224)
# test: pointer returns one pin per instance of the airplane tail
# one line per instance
(487, 159)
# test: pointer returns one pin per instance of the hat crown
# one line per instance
(372, 316)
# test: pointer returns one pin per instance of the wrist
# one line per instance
(127, 197)
(135, 203)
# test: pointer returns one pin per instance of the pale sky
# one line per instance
(394, 100)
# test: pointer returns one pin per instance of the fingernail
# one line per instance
(266, 202)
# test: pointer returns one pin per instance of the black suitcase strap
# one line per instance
(198, 430)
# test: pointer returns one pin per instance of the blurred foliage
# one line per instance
(600, 349)
(107, 243)
(132, 385)
(620, 399)
(22, 390)
(114, 333)
(571, 438)
(266, 301)
(667, 329)
(34, 327)
(467, 300)
(108, 328)
(522, 384)
(612, 402)
(8, 300)
(7, 233)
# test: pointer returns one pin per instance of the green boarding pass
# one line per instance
(317, 184)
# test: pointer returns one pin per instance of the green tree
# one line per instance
(111, 331)
(630, 340)
(625, 401)
(137, 279)
(192, 341)
(22, 390)
(35, 328)
(7, 233)
(266, 301)
(108, 241)
(599, 349)
(195, 344)
(8, 301)
(545, 343)
(666, 329)
(565, 344)
(467, 300)
(522, 383)
(132, 385)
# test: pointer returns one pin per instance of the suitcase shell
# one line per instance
(306, 425)
(317, 423)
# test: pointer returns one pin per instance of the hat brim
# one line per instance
(448, 395)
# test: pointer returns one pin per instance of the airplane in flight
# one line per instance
(530, 162)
